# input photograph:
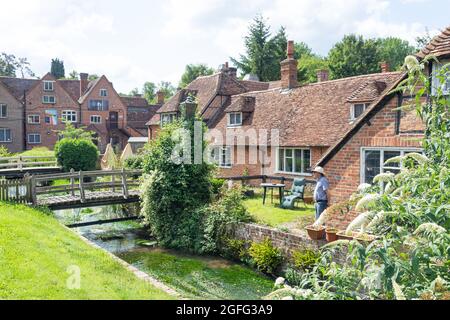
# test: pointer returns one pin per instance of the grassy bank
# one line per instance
(36, 253)
(201, 277)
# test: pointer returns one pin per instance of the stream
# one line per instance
(193, 276)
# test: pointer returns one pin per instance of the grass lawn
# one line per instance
(201, 277)
(272, 215)
(36, 252)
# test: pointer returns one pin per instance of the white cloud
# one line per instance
(140, 40)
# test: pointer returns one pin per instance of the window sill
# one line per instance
(223, 167)
(234, 126)
(294, 173)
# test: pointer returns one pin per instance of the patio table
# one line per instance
(272, 186)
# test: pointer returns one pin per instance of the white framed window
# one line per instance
(373, 161)
(3, 110)
(103, 93)
(168, 118)
(294, 161)
(96, 119)
(48, 99)
(221, 156)
(234, 119)
(98, 105)
(34, 138)
(69, 116)
(48, 86)
(357, 109)
(437, 75)
(34, 119)
(5, 135)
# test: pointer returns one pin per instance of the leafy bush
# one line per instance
(235, 249)
(305, 259)
(77, 154)
(266, 257)
(4, 152)
(217, 185)
(293, 276)
(134, 162)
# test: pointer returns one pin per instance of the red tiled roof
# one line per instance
(310, 115)
(72, 87)
(242, 104)
(439, 46)
(18, 86)
(368, 91)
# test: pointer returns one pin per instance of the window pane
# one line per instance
(373, 166)
(307, 161)
(358, 109)
(289, 153)
(289, 165)
(391, 154)
(280, 159)
(238, 118)
(298, 161)
(2, 135)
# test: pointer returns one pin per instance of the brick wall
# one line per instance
(13, 121)
(344, 169)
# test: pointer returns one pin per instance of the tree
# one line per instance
(68, 151)
(422, 41)
(394, 50)
(70, 132)
(93, 77)
(134, 92)
(353, 56)
(74, 75)
(193, 71)
(167, 88)
(9, 64)
(308, 65)
(57, 68)
(261, 53)
(149, 92)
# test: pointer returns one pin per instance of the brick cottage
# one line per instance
(33, 110)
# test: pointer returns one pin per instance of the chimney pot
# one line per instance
(384, 66)
(322, 75)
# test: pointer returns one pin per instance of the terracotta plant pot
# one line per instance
(365, 239)
(342, 236)
(316, 233)
(308, 200)
(331, 234)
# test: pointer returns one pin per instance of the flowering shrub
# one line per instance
(410, 214)
(265, 256)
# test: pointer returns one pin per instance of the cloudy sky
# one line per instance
(135, 41)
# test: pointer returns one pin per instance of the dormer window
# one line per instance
(234, 119)
(103, 93)
(48, 86)
(441, 78)
(167, 118)
(357, 110)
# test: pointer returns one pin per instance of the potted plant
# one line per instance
(316, 232)
(365, 238)
(331, 234)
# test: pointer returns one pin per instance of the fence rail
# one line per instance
(15, 190)
(27, 162)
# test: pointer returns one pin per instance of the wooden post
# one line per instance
(72, 182)
(82, 195)
(124, 184)
(33, 190)
(113, 182)
(19, 165)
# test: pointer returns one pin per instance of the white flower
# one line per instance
(420, 158)
(429, 228)
(411, 62)
(280, 282)
(363, 187)
(360, 221)
(383, 177)
(366, 201)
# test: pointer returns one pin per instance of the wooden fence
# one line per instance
(18, 191)
(27, 162)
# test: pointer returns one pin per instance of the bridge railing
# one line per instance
(76, 184)
(26, 162)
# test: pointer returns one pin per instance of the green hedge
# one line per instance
(77, 154)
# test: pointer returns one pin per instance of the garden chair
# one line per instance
(296, 193)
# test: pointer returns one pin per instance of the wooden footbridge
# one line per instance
(18, 167)
(74, 189)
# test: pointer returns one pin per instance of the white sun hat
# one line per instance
(319, 170)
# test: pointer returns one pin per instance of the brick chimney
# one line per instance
(322, 75)
(160, 97)
(384, 66)
(232, 72)
(289, 69)
(83, 83)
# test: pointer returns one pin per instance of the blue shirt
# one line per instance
(321, 188)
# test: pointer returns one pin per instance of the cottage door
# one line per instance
(114, 120)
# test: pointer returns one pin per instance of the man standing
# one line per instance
(321, 194)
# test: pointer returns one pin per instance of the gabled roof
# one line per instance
(242, 104)
(17, 86)
(90, 87)
(368, 91)
(439, 46)
(377, 105)
(72, 87)
(311, 115)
